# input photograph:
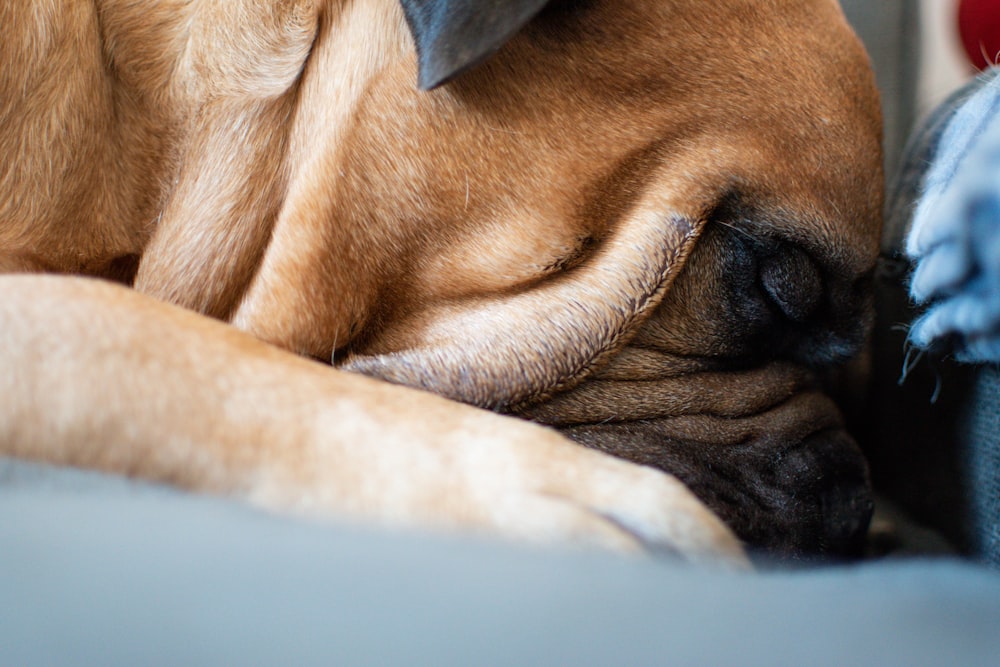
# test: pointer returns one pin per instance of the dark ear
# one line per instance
(453, 35)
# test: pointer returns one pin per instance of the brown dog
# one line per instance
(510, 239)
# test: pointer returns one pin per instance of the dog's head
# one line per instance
(641, 221)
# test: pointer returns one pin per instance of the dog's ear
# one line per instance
(453, 35)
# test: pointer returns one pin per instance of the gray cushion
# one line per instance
(96, 571)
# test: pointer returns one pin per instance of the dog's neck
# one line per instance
(164, 131)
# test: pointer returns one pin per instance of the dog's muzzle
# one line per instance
(721, 388)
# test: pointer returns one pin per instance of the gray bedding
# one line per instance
(98, 571)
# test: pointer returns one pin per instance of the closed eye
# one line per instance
(583, 248)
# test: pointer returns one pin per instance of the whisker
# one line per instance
(735, 229)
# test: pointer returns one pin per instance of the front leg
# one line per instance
(103, 377)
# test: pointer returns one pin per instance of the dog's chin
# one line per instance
(765, 449)
(789, 500)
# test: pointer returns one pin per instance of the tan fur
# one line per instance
(272, 164)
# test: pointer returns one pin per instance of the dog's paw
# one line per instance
(955, 237)
(582, 496)
(474, 471)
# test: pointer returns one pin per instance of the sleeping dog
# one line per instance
(650, 225)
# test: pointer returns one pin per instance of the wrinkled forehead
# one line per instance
(776, 99)
(727, 68)
(769, 101)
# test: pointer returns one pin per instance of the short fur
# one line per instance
(513, 239)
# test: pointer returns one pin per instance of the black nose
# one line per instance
(787, 305)
(791, 280)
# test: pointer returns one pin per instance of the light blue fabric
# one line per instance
(955, 236)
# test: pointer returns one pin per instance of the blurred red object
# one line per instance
(979, 26)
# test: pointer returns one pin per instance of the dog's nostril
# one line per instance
(792, 281)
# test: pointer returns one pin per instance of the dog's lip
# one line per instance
(718, 392)
(647, 362)
(793, 466)
(841, 485)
